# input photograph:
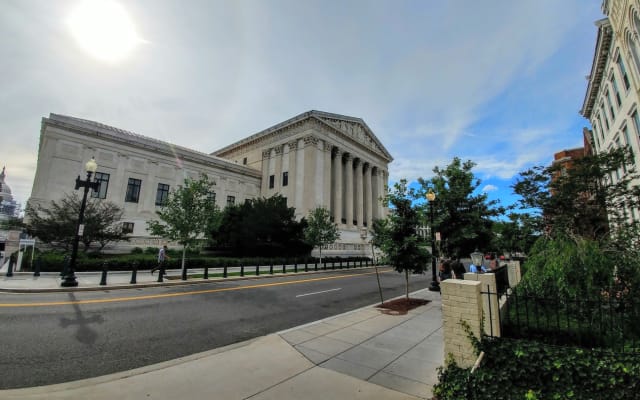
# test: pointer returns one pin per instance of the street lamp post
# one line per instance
(70, 278)
(435, 286)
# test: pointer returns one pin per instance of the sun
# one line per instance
(103, 29)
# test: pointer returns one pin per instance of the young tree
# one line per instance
(56, 224)
(320, 230)
(461, 215)
(186, 215)
(399, 240)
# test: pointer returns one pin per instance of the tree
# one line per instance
(518, 234)
(462, 216)
(588, 198)
(320, 230)
(399, 240)
(187, 214)
(261, 227)
(56, 225)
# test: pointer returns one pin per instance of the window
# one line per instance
(133, 190)
(604, 114)
(127, 227)
(636, 122)
(613, 114)
(212, 197)
(285, 178)
(162, 194)
(272, 181)
(616, 91)
(623, 73)
(231, 200)
(600, 128)
(244, 161)
(625, 133)
(101, 193)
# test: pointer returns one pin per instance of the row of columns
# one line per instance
(319, 173)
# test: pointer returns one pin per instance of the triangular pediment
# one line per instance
(357, 132)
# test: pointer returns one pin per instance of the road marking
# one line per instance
(324, 291)
(159, 296)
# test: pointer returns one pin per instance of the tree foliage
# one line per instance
(398, 237)
(261, 227)
(517, 235)
(56, 225)
(461, 215)
(187, 214)
(320, 230)
(587, 198)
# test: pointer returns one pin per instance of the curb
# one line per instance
(168, 283)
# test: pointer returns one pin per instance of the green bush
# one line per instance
(519, 369)
(137, 250)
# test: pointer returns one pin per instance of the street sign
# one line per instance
(80, 229)
(438, 236)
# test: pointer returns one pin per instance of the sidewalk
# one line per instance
(363, 354)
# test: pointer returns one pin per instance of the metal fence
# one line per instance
(601, 323)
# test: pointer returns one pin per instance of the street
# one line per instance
(60, 337)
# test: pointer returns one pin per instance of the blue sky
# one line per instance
(499, 82)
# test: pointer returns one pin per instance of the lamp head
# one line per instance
(91, 166)
(431, 196)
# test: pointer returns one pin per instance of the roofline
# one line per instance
(600, 57)
(100, 130)
(305, 115)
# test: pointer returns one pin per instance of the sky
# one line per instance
(498, 82)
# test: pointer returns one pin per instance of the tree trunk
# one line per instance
(406, 277)
(320, 247)
(184, 252)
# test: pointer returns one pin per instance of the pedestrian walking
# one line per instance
(162, 258)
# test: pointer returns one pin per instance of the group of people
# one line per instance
(453, 268)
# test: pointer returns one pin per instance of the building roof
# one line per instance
(101, 130)
(321, 116)
(600, 57)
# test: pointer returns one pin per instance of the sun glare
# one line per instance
(103, 29)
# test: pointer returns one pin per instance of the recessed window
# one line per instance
(231, 200)
(244, 161)
(127, 227)
(623, 72)
(162, 194)
(272, 181)
(212, 197)
(285, 178)
(103, 179)
(133, 190)
(616, 91)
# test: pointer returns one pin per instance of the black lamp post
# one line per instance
(435, 286)
(70, 278)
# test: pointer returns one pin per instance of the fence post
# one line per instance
(461, 305)
(134, 273)
(489, 302)
(103, 278)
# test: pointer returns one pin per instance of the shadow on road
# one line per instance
(85, 334)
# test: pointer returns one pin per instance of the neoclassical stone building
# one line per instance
(313, 159)
(612, 97)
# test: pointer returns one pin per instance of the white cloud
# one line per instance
(489, 188)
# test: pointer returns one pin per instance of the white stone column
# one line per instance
(375, 193)
(318, 182)
(348, 195)
(265, 173)
(359, 193)
(299, 179)
(148, 196)
(337, 187)
(384, 211)
(118, 186)
(368, 194)
(277, 186)
(326, 199)
(272, 171)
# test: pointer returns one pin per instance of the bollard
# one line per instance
(324, 266)
(65, 266)
(284, 267)
(206, 272)
(333, 265)
(366, 263)
(257, 269)
(184, 273)
(134, 273)
(161, 274)
(306, 265)
(295, 267)
(12, 259)
(37, 266)
(271, 268)
(103, 278)
(241, 269)
(224, 272)
(341, 263)
(315, 266)
(361, 263)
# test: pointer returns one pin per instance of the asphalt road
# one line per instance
(60, 337)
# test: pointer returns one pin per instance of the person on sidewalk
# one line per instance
(162, 257)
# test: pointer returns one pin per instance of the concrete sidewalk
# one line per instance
(363, 354)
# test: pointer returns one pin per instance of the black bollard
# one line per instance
(271, 268)
(134, 273)
(206, 272)
(65, 266)
(315, 266)
(241, 269)
(37, 266)
(284, 267)
(224, 272)
(324, 266)
(103, 279)
(257, 269)
(306, 265)
(161, 273)
(341, 263)
(295, 267)
(12, 260)
(184, 273)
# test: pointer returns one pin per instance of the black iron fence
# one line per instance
(596, 323)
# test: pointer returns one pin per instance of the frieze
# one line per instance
(279, 150)
(266, 153)
(328, 146)
(310, 140)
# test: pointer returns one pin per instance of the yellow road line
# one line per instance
(159, 296)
